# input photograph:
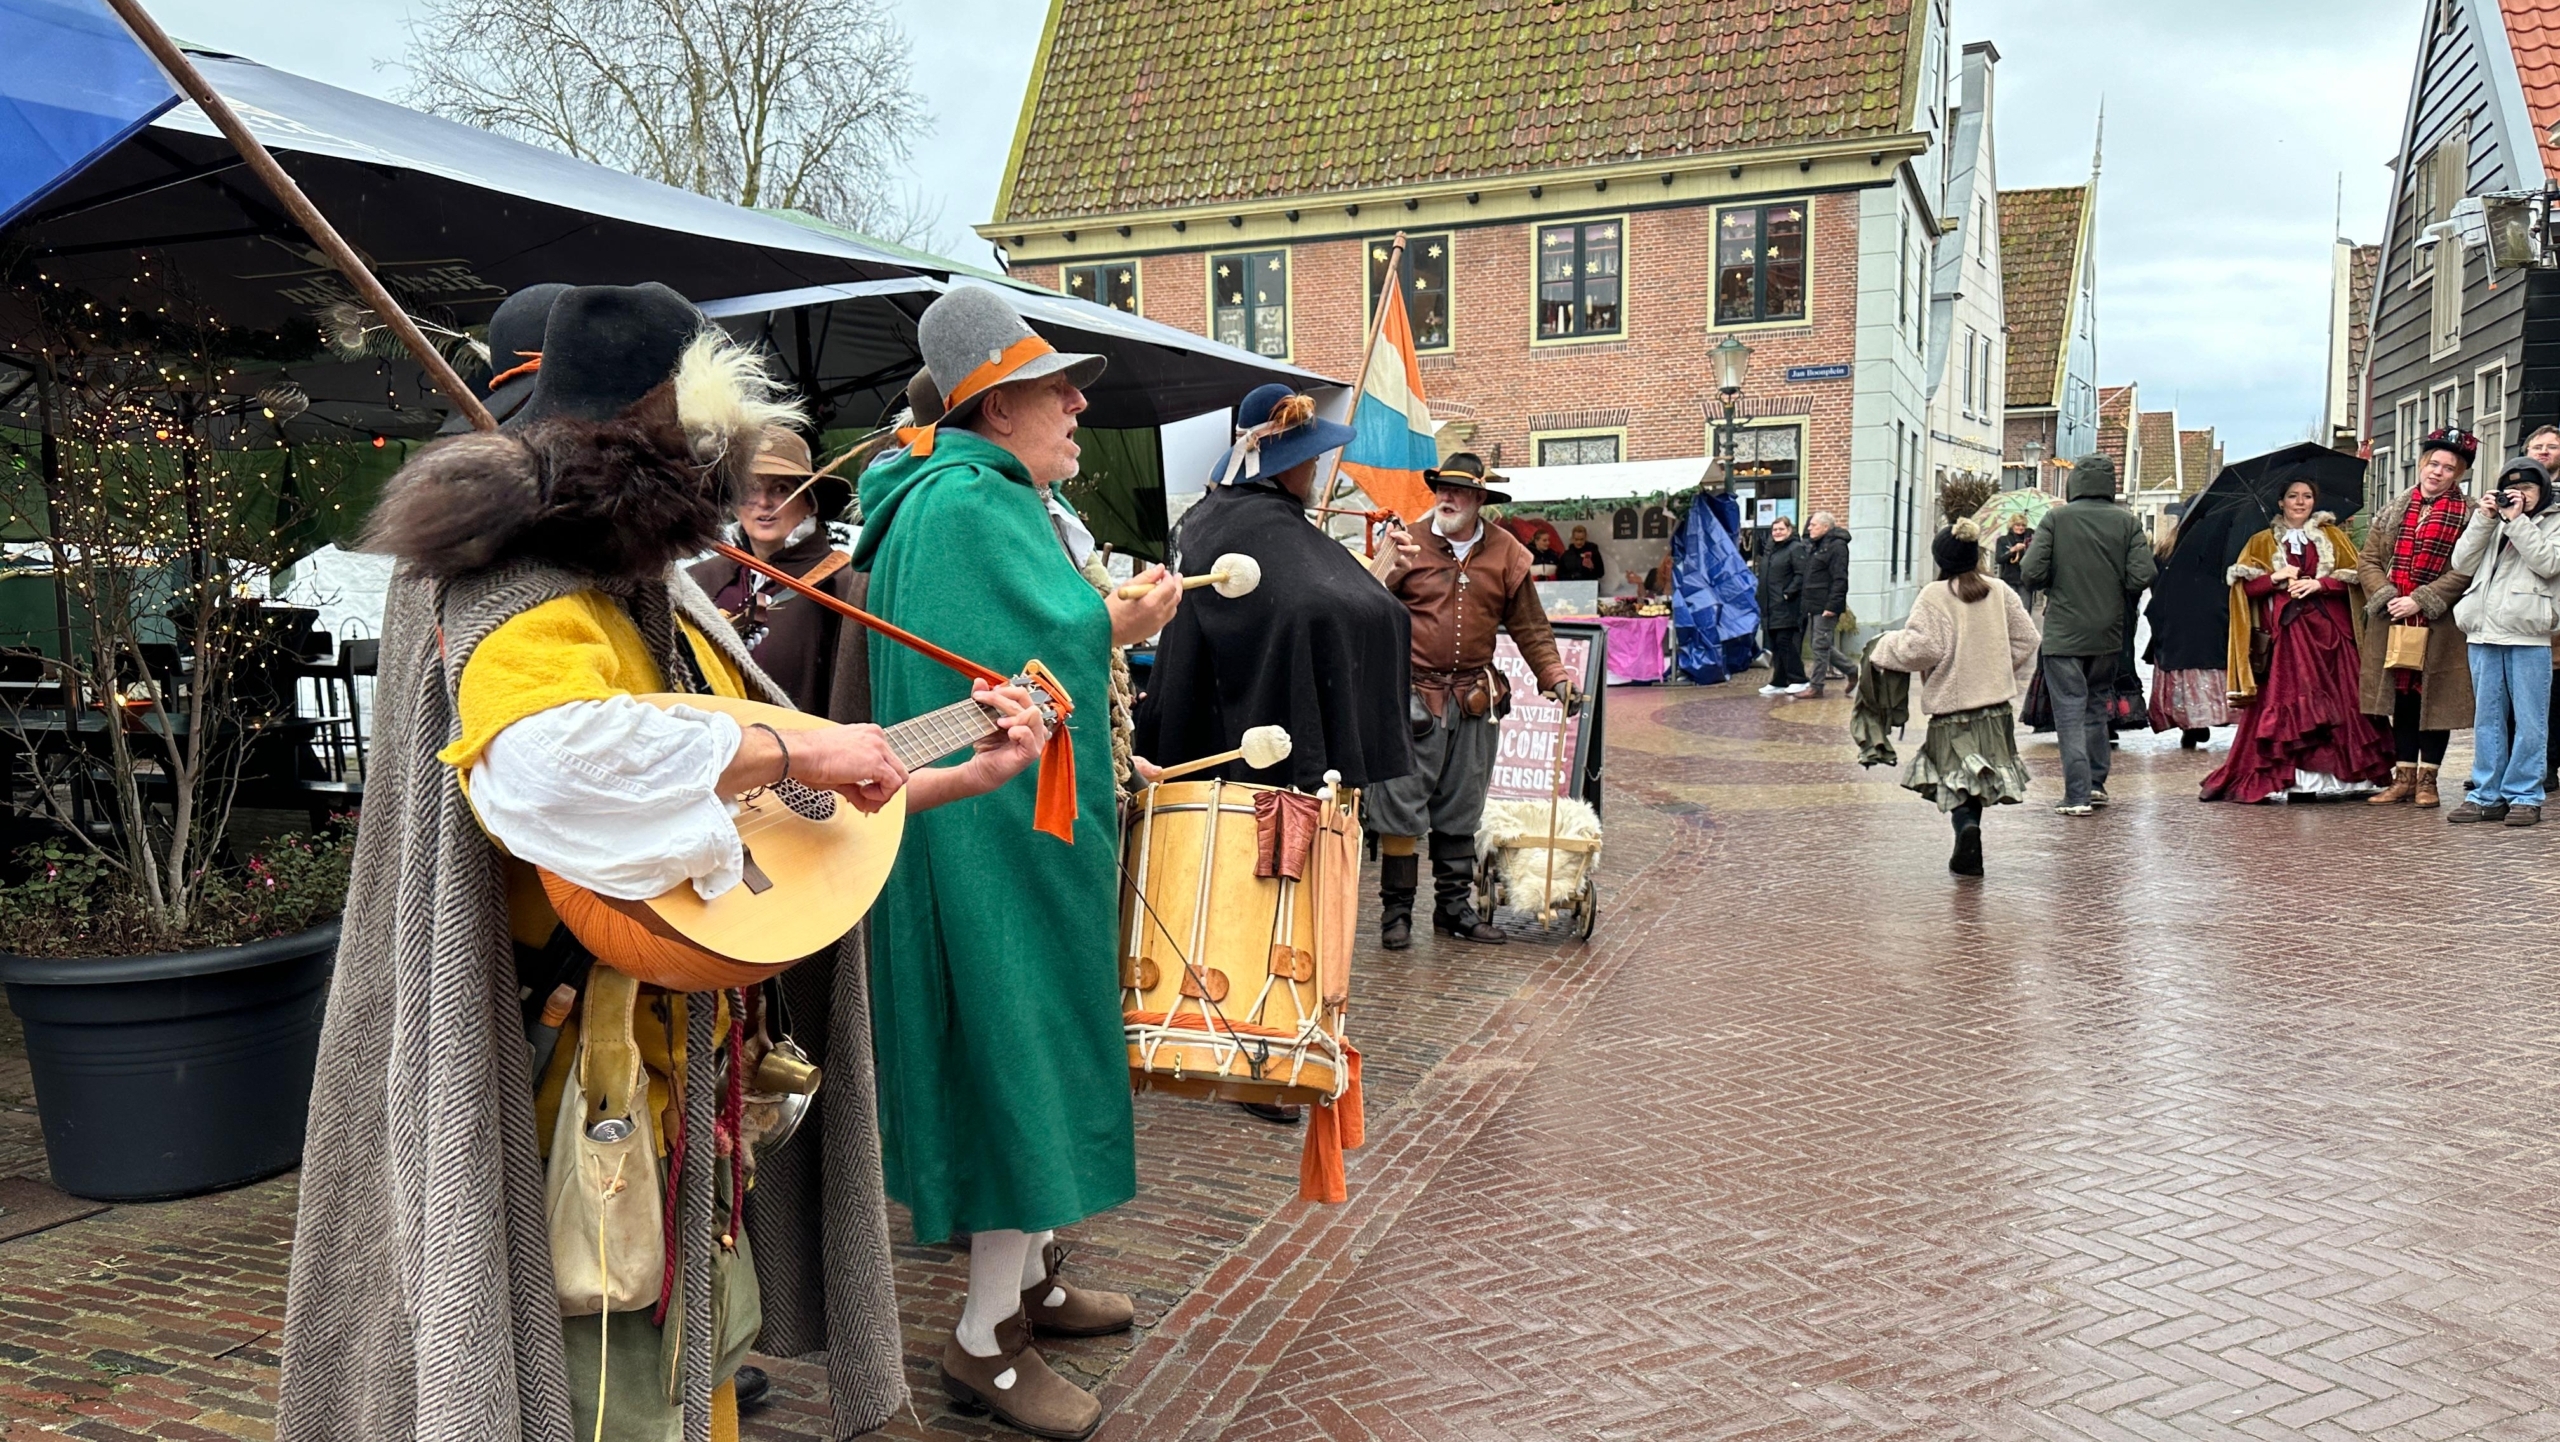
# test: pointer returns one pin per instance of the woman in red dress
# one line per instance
(2295, 608)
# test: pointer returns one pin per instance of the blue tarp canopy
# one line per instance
(453, 219)
(79, 84)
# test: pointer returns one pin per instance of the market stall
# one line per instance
(1630, 511)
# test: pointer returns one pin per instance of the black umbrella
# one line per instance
(2190, 602)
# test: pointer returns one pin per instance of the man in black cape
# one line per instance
(1318, 647)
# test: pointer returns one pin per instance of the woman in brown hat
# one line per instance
(782, 513)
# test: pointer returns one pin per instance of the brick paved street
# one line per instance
(2187, 1122)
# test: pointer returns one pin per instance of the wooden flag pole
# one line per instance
(1377, 323)
(299, 206)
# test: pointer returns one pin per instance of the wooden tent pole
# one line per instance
(191, 80)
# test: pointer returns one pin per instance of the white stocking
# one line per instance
(1035, 1267)
(995, 1288)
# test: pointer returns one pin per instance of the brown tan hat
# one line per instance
(785, 453)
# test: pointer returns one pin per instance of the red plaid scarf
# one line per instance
(2428, 530)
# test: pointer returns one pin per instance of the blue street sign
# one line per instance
(1818, 373)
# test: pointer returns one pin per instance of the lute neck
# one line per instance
(928, 738)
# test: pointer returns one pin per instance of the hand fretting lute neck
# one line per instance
(928, 738)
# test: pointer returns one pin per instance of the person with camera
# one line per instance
(2511, 550)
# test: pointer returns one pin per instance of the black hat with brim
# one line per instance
(605, 347)
(1465, 470)
(515, 338)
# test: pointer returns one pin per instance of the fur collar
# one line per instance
(621, 499)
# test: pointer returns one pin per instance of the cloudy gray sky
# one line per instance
(2231, 125)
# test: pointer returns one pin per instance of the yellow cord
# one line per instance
(604, 1310)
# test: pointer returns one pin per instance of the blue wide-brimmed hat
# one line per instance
(1266, 444)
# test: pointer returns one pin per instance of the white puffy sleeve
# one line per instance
(614, 795)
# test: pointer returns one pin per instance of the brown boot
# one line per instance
(2403, 787)
(1018, 1387)
(1076, 1312)
(2427, 798)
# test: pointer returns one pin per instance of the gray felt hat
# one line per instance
(974, 340)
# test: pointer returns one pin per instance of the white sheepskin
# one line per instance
(725, 397)
(1524, 869)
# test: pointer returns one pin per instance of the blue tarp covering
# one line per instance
(74, 84)
(1715, 601)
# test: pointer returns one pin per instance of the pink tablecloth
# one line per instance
(1639, 647)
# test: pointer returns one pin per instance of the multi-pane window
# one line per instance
(1426, 286)
(1114, 284)
(1579, 278)
(1972, 379)
(2409, 434)
(1598, 450)
(1766, 458)
(1760, 267)
(2489, 412)
(1249, 300)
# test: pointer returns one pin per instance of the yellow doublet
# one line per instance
(580, 647)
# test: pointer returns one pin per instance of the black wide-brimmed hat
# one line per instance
(606, 346)
(515, 351)
(1466, 470)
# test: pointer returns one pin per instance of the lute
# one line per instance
(813, 865)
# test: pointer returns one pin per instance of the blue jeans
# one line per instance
(2510, 723)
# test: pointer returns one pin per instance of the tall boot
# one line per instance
(1453, 883)
(2426, 784)
(2403, 787)
(1399, 877)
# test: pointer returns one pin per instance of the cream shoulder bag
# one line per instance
(608, 1238)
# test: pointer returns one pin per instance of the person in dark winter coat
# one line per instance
(2011, 553)
(2089, 556)
(1782, 580)
(1826, 599)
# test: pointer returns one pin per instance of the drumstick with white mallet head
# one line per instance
(1264, 747)
(1235, 574)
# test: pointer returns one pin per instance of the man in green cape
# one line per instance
(1004, 1087)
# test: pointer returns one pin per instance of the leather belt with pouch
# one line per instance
(1479, 692)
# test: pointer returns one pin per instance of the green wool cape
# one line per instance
(995, 1001)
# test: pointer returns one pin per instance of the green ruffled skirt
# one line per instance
(1970, 757)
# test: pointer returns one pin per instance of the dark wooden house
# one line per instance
(2464, 329)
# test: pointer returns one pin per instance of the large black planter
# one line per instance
(175, 1075)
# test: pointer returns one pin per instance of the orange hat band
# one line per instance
(995, 372)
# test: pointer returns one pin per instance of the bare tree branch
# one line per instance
(802, 104)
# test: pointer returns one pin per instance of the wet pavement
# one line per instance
(2185, 1122)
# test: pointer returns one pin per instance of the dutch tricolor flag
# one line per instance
(1392, 442)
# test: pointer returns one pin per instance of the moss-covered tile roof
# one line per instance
(2116, 406)
(2197, 460)
(2159, 449)
(1145, 104)
(2039, 253)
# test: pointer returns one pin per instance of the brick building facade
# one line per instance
(1587, 218)
(1646, 392)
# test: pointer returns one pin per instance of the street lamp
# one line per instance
(2033, 453)
(1733, 362)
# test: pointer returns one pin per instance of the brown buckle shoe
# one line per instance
(2524, 816)
(1018, 1387)
(2403, 787)
(2428, 800)
(1077, 1312)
